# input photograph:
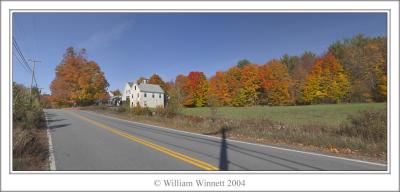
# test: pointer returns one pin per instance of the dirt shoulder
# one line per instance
(30, 150)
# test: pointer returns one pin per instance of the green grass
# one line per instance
(327, 114)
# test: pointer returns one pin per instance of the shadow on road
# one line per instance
(223, 153)
(51, 115)
(58, 126)
(261, 155)
(55, 120)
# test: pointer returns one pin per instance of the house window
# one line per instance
(153, 95)
(138, 95)
(159, 95)
(145, 95)
(135, 87)
(132, 96)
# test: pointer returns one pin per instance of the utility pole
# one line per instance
(33, 71)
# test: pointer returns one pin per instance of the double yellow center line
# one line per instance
(177, 155)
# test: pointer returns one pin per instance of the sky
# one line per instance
(130, 45)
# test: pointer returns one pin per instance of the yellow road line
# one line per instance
(177, 155)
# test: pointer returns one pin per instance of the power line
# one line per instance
(20, 62)
(19, 50)
(21, 54)
(25, 63)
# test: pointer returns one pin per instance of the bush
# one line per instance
(30, 148)
(173, 105)
(160, 111)
(139, 110)
(27, 112)
(369, 125)
(124, 107)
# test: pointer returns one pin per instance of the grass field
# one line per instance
(327, 114)
(323, 128)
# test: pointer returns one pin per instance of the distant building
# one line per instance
(144, 94)
(114, 101)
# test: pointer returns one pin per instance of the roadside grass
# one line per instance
(359, 134)
(324, 114)
(30, 144)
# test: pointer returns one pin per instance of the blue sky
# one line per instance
(130, 45)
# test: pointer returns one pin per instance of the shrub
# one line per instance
(29, 136)
(121, 109)
(124, 107)
(27, 111)
(369, 125)
(160, 111)
(173, 105)
(139, 110)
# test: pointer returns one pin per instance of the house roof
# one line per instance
(130, 84)
(150, 88)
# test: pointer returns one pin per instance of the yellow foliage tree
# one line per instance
(326, 82)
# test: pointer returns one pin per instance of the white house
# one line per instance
(127, 91)
(144, 94)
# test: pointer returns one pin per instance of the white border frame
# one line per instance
(277, 178)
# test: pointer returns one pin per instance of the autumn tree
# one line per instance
(156, 79)
(243, 63)
(298, 75)
(233, 80)
(78, 80)
(140, 80)
(219, 89)
(289, 61)
(116, 92)
(179, 86)
(45, 100)
(251, 84)
(275, 83)
(326, 82)
(365, 61)
(196, 89)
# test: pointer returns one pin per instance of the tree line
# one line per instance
(351, 70)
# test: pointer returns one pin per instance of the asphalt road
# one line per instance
(84, 140)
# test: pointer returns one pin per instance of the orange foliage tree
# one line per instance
(275, 83)
(233, 80)
(196, 89)
(78, 81)
(156, 79)
(251, 84)
(219, 88)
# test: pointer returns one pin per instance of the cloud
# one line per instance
(104, 39)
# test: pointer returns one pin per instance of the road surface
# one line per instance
(83, 140)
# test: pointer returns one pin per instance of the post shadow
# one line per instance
(223, 157)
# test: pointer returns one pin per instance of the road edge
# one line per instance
(52, 162)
